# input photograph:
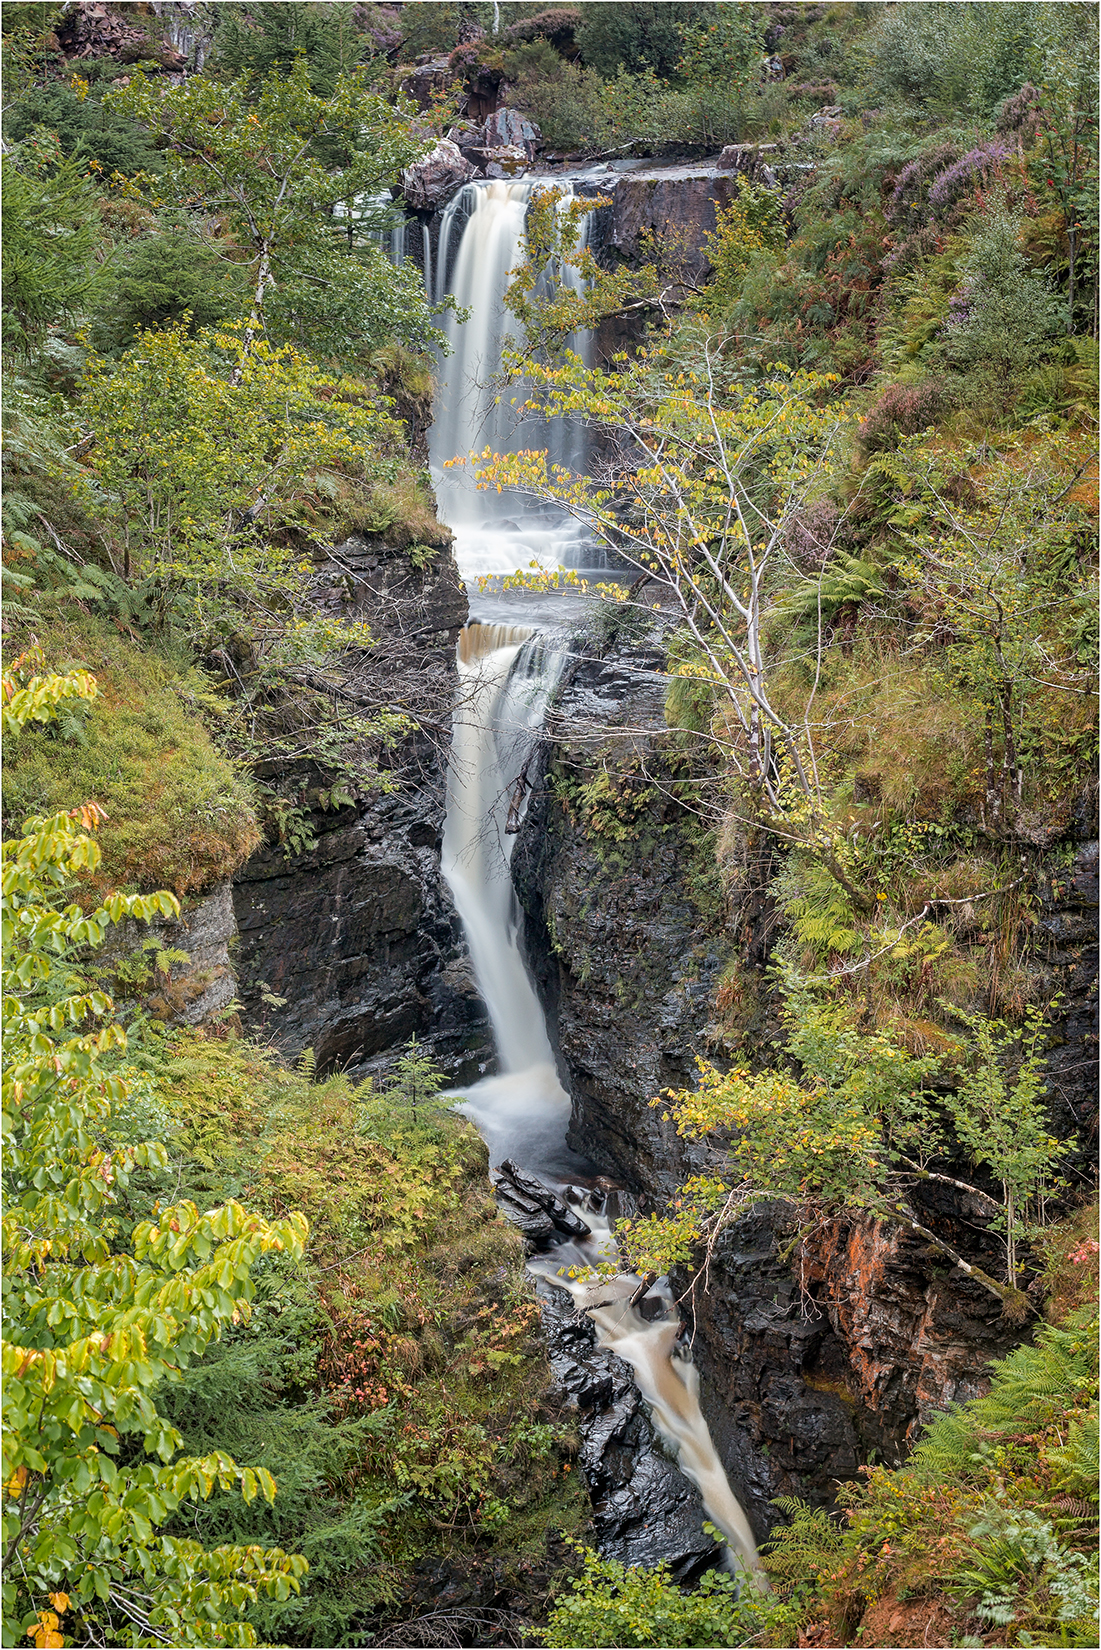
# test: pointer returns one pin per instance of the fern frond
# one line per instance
(806, 1545)
(1033, 1386)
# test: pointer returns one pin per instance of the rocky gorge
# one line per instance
(814, 1365)
(812, 1361)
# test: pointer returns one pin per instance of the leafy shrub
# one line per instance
(429, 27)
(106, 1299)
(752, 225)
(611, 1603)
(395, 1384)
(199, 440)
(1002, 315)
(947, 58)
(566, 101)
(638, 35)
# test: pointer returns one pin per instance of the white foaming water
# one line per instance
(665, 1376)
(501, 701)
(479, 247)
(496, 708)
(504, 684)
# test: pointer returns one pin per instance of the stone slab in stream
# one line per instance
(527, 1194)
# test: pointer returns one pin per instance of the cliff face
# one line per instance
(358, 932)
(810, 1369)
(813, 1364)
(678, 204)
(626, 965)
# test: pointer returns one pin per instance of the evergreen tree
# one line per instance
(266, 40)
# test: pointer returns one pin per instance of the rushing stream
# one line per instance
(507, 674)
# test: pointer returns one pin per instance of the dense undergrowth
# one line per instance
(212, 375)
(344, 1347)
(179, 813)
(395, 1382)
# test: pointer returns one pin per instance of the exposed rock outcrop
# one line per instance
(508, 128)
(90, 30)
(624, 965)
(644, 1509)
(430, 77)
(429, 182)
(192, 986)
(358, 932)
(809, 1370)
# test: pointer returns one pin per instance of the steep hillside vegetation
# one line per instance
(273, 1368)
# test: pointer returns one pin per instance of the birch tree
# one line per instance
(697, 491)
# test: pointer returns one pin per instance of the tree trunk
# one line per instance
(256, 319)
(992, 801)
(1010, 780)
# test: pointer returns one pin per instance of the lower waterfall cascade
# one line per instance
(507, 675)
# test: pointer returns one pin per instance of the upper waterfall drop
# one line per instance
(480, 245)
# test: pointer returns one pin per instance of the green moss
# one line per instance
(179, 815)
(399, 509)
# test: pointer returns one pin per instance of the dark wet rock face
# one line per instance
(644, 1509)
(1064, 950)
(810, 1369)
(538, 1212)
(625, 965)
(358, 932)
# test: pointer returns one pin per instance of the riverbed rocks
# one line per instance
(644, 1509)
(539, 1213)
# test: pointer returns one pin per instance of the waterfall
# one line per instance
(668, 1381)
(479, 246)
(506, 676)
(504, 685)
(426, 250)
(497, 705)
